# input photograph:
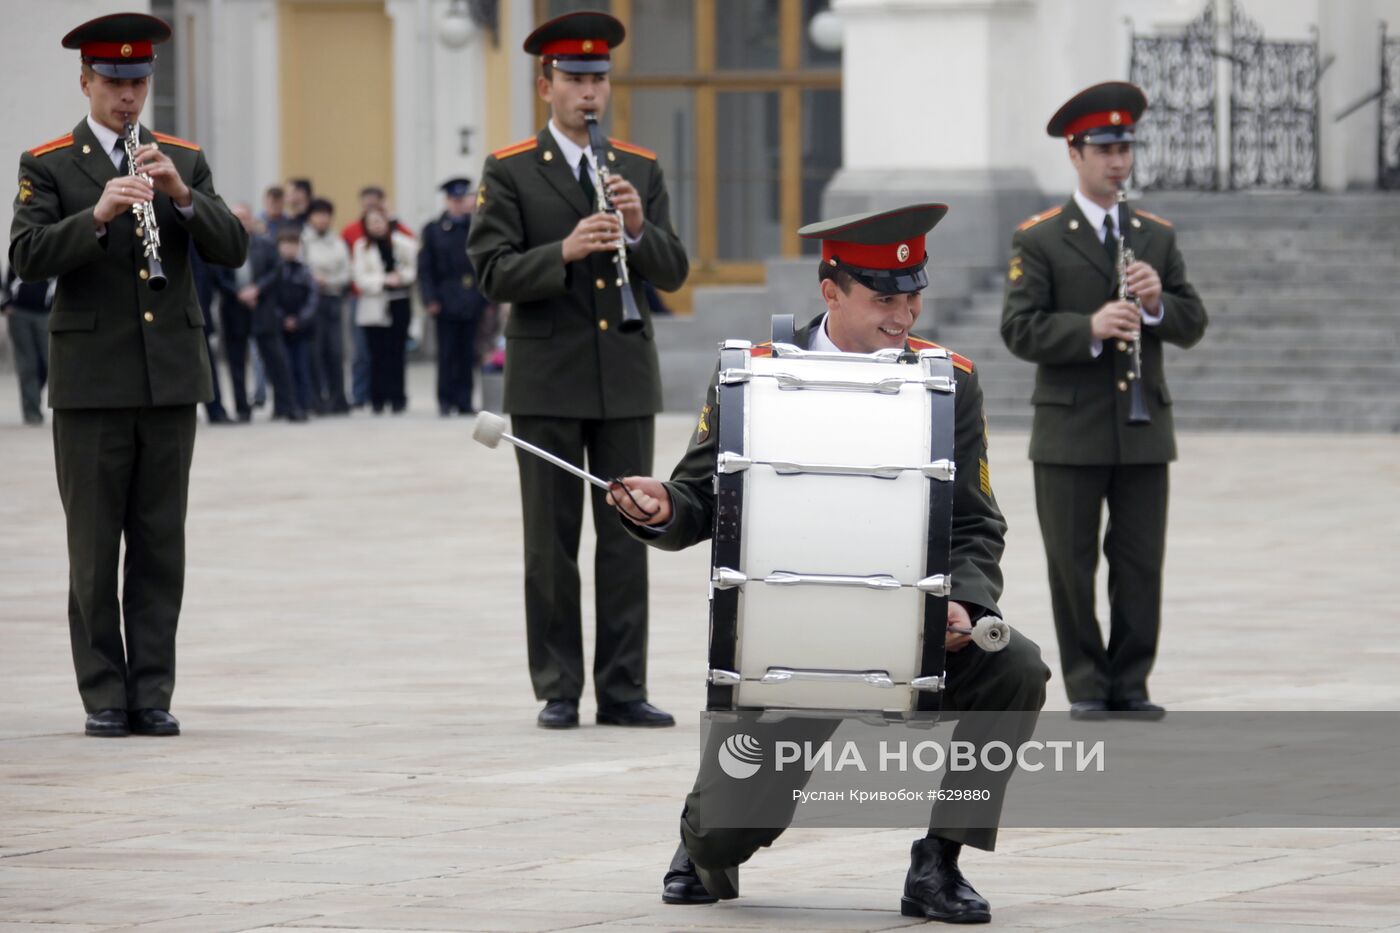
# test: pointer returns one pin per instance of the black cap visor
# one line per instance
(592, 65)
(1107, 135)
(889, 281)
(121, 70)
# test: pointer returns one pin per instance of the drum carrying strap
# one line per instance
(942, 446)
(725, 545)
(784, 330)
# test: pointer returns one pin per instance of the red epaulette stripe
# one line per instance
(633, 148)
(959, 362)
(1161, 220)
(763, 349)
(1034, 219)
(51, 145)
(175, 141)
(516, 148)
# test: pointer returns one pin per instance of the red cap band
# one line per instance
(899, 255)
(115, 51)
(1092, 121)
(574, 47)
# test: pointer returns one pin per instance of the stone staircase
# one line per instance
(1303, 292)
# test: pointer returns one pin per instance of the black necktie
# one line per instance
(1110, 242)
(586, 182)
(125, 166)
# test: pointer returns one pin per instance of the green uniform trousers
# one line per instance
(1012, 680)
(125, 473)
(1069, 500)
(552, 507)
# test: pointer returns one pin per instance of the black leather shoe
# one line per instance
(1088, 709)
(1138, 709)
(681, 884)
(634, 713)
(107, 724)
(935, 888)
(559, 714)
(154, 722)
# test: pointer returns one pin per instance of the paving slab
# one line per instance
(360, 751)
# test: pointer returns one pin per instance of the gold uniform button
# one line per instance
(149, 317)
(1122, 346)
(599, 284)
(602, 325)
(1122, 386)
(144, 275)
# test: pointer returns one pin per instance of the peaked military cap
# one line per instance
(578, 43)
(882, 250)
(458, 187)
(1104, 113)
(120, 45)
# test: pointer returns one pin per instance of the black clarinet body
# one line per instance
(631, 316)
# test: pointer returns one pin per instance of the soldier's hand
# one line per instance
(958, 618)
(1144, 282)
(119, 195)
(1117, 320)
(650, 494)
(628, 203)
(595, 233)
(433, 308)
(151, 161)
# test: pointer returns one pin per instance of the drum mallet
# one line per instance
(990, 633)
(491, 430)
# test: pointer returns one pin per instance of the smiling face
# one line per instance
(863, 321)
(1102, 169)
(114, 102)
(570, 96)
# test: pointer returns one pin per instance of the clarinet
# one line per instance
(1137, 402)
(631, 317)
(145, 213)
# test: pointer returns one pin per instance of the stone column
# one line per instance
(938, 105)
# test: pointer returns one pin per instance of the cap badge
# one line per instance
(902, 254)
(126, 50)
(1115, 118)
(587, 46)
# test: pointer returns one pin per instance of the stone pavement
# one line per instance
(360, 752)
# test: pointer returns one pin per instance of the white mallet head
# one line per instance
(991, 633)
(489, 430)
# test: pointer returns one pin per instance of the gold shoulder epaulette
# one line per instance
(634, 149)
(175, 141)
(763, 349)
(959, 362)
(62, 142)
(1150, 216)
(525, 145)
(1034, 219)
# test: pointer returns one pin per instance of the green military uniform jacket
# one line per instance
(1059, 275)
(565, 354)
(979, 531)
(115, 343)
